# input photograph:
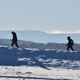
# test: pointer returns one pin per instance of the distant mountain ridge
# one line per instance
(40, 37)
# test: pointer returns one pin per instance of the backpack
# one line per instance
(72, 42)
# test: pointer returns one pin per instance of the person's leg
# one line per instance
(72, 48)
(68, 48)
(16, 44)
(12, 44)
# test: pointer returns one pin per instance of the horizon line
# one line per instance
(48, 32)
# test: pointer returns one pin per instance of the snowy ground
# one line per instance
(36, 64)
(33, 73)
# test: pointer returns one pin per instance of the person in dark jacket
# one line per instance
(70, 43)
(14, 39)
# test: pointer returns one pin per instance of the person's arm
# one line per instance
(67, 44)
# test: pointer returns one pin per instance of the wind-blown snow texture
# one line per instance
(39, 64)
(42, 58)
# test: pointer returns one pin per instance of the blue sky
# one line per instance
(43, 15)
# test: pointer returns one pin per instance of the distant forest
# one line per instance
(29, 44)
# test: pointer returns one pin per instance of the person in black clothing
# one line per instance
(14, 39)
(70, 43)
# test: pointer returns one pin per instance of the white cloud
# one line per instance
(62, 32)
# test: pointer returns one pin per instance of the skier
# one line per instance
(14, 39)
(70, 43)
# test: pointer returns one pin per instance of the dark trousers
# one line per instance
(70, 47)
(16, 44)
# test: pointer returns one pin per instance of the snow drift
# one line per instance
(42, 58)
